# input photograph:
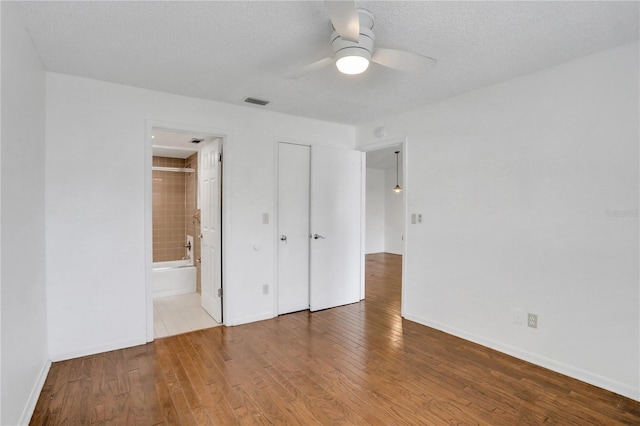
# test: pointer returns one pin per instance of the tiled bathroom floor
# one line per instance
(179, 314)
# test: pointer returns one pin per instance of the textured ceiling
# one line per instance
(226, 51)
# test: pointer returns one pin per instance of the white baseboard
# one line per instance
(548, 363)
(99, 349)
(27, 413)
(250, 318)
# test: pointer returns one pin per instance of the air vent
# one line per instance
(256, 101)
(194, 140)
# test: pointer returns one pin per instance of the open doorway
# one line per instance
(385, 201)
(385, 225)
(186, 239)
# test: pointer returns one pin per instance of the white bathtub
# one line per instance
(173, 278)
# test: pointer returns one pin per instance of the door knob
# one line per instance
(283, 238)
(317, 236)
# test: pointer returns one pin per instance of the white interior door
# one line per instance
(293, 227)
(210, 237)
(335, 256)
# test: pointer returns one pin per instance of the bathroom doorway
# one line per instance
(181, 159)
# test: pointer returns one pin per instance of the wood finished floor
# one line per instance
(356, 364)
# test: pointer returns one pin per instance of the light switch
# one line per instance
(265, 218)
(413, 219)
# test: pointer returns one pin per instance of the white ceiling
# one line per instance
(176, 144)
(226, 51)
(384, 158)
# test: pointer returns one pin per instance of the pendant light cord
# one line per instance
(397, 152)
(397, 188)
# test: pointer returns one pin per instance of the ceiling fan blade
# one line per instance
(402, 60)
(344, 17)
(308, 69)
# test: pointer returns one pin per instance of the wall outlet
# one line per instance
(532, 320)
(265, 288)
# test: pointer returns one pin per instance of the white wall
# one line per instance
(96, 205)
(393, 212)
(25, 360)
(375, 198)
(517, 183)
(384, 218)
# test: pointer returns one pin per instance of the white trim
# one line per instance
(148, 227)
(99, 349)
(405, 199)
(275, 219)
(275, 286)
(400, 140)
(45, 195)
(252, 318)
(226, 148)
(30, 407)
(548, 363)
(363, 222)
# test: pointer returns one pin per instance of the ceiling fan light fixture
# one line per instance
(352, 65)
(352, 57)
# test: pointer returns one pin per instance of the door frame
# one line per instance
(225, 136)
(403, 142)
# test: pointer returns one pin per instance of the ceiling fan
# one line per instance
(353, 44)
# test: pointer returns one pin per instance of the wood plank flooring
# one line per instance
(356, 364)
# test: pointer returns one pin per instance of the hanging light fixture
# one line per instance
(397, 187)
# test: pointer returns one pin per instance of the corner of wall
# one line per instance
(30, 406)
(24, 355)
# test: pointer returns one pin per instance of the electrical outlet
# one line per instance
(265, 288)
(532, 320)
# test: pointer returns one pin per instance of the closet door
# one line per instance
(293, 227)
(336, 198)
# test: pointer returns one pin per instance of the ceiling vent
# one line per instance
(256, 101)
(194, 140)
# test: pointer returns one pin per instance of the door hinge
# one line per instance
(220, 158)
(220, 292)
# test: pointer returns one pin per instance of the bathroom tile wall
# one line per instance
(168, 211)
(192, 221)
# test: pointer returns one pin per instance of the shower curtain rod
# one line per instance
(172, 169)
